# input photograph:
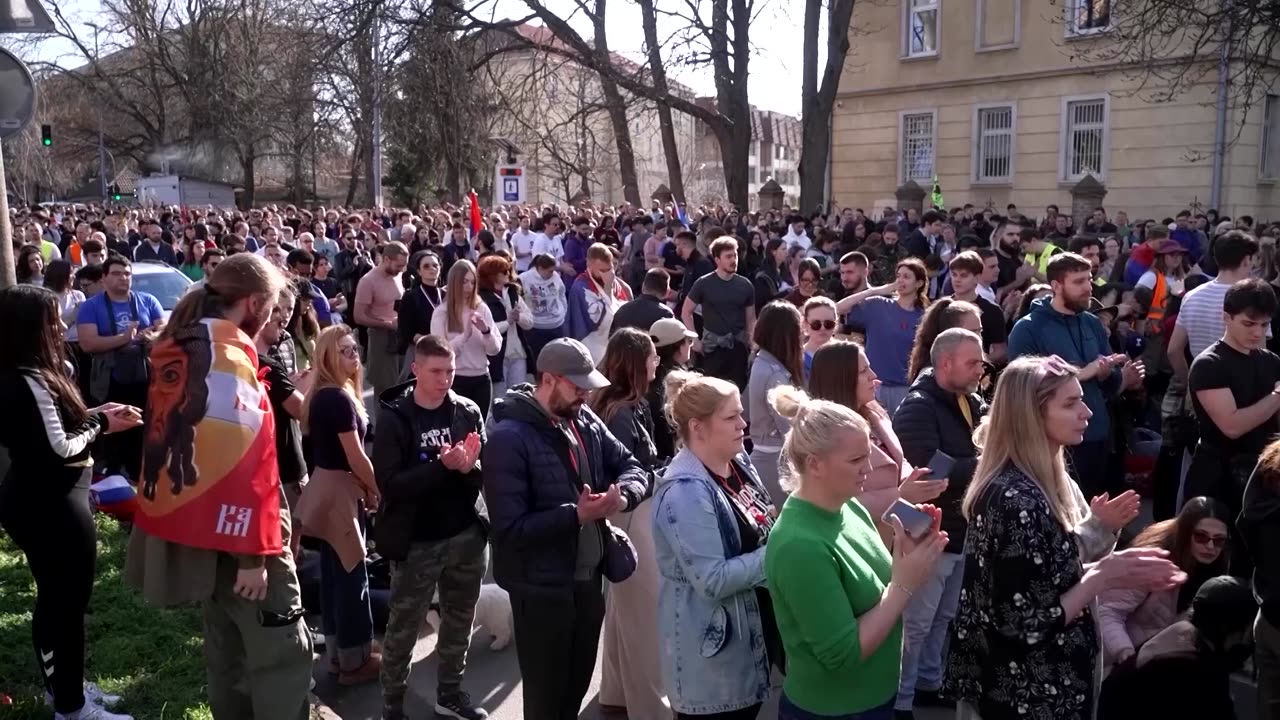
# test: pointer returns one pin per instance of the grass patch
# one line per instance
(152, 657)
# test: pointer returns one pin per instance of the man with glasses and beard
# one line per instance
(212, 524)
(1061, 325)
(552, 474)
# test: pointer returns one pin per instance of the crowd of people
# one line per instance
(887, 463)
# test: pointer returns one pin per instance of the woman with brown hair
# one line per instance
(507, 366)
(943, 314)
(808, 277)
(778, 361)
(1259, 527)
(889, 475)
(1197, 543)
(341, 489)
(890, 315)
(303, 327)
(468, 326)
(820, 324)
(631, 677)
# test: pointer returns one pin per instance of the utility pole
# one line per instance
(375, 181)
(102, 147)
(8, 275)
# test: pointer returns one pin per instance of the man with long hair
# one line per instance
(212, 523)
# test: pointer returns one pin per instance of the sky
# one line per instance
(775, 64)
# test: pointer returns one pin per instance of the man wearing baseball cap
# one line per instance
(552, 474)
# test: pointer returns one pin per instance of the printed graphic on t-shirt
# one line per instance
(434, 439)
(542, 298)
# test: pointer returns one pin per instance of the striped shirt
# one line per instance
(1201, 315)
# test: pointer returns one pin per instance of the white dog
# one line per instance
(493, 615)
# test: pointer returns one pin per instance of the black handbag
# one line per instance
(620, 557)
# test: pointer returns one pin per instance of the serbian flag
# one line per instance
(209, 473)
(476, 221)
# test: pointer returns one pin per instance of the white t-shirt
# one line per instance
(548, 245)
(1201, 316)
(1148, 280)
(547, 299)
(522, 242)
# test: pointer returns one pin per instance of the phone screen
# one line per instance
(914, 521)
(940, 465)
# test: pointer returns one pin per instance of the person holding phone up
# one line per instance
(935, 425)
(838, 593)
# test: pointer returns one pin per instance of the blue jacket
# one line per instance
(1079, 339)
(711, 637)
(531, 490)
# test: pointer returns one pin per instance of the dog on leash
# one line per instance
(493, 615)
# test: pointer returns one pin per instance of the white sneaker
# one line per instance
(92, 712)
(93, 695)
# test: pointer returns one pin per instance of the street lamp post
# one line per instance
(102, 146)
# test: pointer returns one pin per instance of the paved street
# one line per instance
(493, 679)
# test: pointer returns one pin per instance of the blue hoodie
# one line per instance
(1079, 339)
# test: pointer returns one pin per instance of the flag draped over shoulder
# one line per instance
(209, 473)
(936, 195)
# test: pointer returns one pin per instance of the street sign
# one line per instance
(17, 94)
(24, 16)
(509, 181)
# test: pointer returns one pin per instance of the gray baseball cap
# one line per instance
(569, 358)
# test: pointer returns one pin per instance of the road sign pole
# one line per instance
(8, 277)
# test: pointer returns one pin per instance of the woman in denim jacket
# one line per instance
(711, 519)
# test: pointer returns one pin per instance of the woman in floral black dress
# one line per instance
(1024, 644)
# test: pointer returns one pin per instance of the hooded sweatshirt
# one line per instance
(1079, 339)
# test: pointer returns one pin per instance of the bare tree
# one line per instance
(670, 147)
(817, 100)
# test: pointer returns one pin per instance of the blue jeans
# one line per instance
(787, 711)
(926, 624)
(347, 617)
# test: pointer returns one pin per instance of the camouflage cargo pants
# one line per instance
(457, 565)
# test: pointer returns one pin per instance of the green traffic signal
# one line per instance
(46, 135)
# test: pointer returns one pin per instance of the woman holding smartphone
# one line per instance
(44, 497)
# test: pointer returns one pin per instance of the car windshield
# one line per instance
(167, 285)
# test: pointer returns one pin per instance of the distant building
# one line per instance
(775, 153)
(987, 95)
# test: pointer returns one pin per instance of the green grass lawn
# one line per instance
(151, 657)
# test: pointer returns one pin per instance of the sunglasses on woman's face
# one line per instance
(1203, 538)
(817, 325)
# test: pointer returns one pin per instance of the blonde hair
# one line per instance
(814, 433)
(1014, 431)
(454, 299)
(327, 365)
(692, 396)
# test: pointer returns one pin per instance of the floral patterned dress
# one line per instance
(1013, 652)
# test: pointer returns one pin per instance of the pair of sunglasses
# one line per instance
(816, 325)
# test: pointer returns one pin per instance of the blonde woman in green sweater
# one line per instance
(838, 593)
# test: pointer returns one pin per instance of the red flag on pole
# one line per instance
(476, 221)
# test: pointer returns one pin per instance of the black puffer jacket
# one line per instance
(928, 420)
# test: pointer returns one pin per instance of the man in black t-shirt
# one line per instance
(1235, 390)
(433, 524)
(285, 389)
(966, 268)
(728, 315)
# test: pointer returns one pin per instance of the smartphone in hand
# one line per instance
(940, 466)
(916, 522)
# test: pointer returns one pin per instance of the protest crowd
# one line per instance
(850, 464)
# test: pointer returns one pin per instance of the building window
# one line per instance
(1269, 164)
(1085, 17)
(921, 28)
(1084, 146)
(993, 141)
(916, 140)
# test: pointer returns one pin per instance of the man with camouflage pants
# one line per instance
(433, 525)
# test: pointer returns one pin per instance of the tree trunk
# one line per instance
(670, 146)
(247, 163)
(617, 112)
(819, 101)
(353, 182)
(731, 95)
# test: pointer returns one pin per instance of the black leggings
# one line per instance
(478, 389)
(59, 539)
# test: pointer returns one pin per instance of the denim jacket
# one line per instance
(712, 638)
(767, 426)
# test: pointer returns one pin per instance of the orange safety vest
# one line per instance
(1159, 294)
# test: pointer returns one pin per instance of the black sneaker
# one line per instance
(904, 715)
(458, 705)
(933, 698)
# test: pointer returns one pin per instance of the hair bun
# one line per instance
(789, 401)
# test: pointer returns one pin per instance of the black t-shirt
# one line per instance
(328, 286)
(724, 302)
(449, 511)
(1008, 268)
(331, 414)
(1250, 377)
(288, 434)
(994, 328)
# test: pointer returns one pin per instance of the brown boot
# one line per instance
(368, 672)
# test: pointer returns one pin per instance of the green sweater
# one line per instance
(825, 570)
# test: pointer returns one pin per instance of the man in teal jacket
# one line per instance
(1061, 325)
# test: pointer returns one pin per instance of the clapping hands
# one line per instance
(1115, 513)
(462, 456)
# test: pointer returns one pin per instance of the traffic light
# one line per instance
(115, 192)
(46, 135)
